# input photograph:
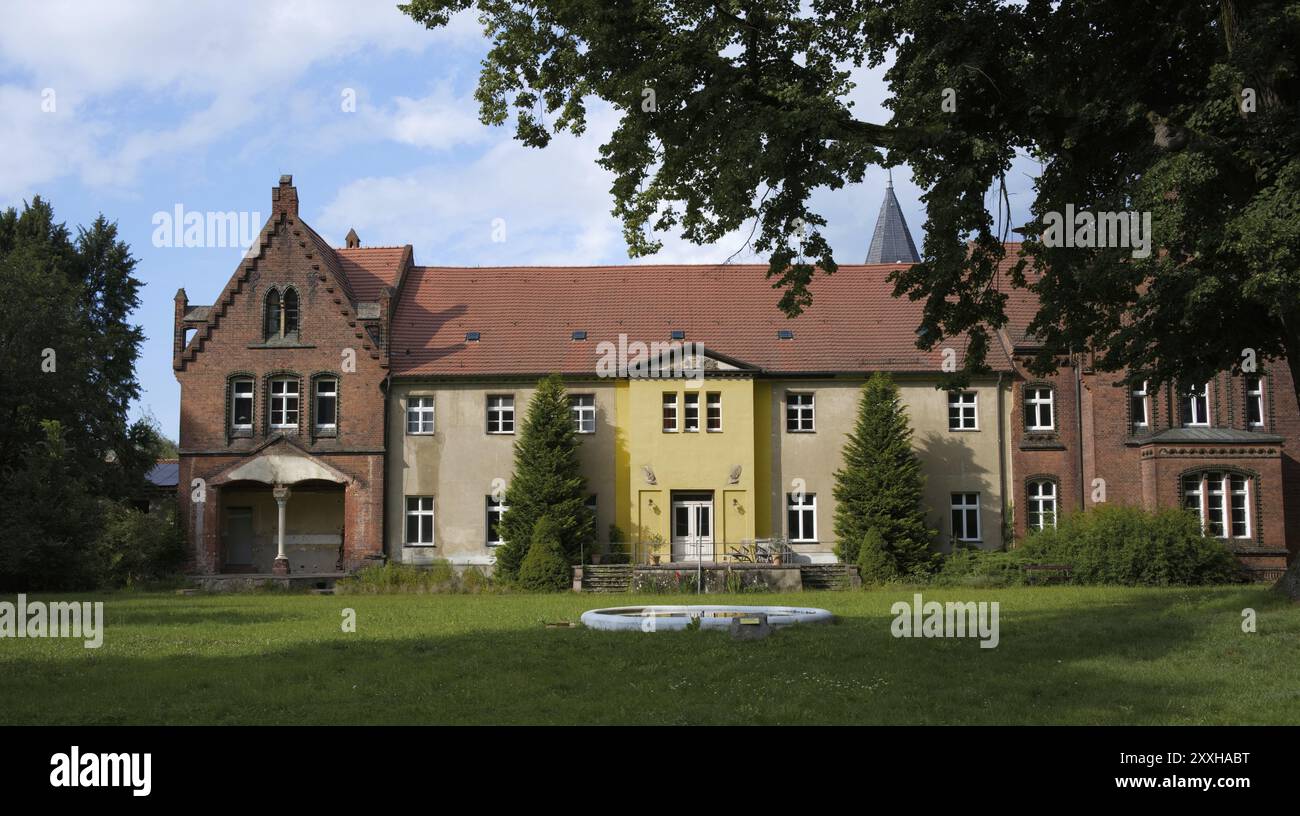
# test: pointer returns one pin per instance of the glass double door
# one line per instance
(692, 526)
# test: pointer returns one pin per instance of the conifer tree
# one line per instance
(879, 486)
(547, 481)
(544, 568)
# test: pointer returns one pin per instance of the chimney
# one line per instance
(180, 305)
(284, 199)
(352, 240)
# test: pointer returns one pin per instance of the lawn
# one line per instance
(1067, 655)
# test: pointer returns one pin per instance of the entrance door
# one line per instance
(239, 536)
(692, 527)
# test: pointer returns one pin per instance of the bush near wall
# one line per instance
(1131, 547)
(399, 579)
(136, 547)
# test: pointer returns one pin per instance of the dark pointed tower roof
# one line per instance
(891, 242)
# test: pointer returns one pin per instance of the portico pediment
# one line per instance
(281, 463)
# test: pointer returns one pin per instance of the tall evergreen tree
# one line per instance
(547, 481)
(879, 486)
(68, 352)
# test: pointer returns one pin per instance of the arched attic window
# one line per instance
(281, 314)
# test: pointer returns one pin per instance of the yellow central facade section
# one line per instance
(656, 468)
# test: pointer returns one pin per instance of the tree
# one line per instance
(68, 352)
(547, 481)
(545, 568)
(879, 487)
(731, 111)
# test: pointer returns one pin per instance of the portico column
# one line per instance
(281, 494)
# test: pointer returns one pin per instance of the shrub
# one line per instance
(544, 568)
(875, 563)
(396, 579)
(136, 547)
(971, 566)
(1131, 547)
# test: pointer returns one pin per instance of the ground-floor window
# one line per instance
(1221, 501)
(966, 516)
(496, 510)
(1042, 504)
(419, 521)
(801, 512)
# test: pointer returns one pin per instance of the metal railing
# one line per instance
(746, 551)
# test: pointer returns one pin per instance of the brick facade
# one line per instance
(347, 298)
(337, 338)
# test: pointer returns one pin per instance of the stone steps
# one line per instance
(829, 576)
(607, 577)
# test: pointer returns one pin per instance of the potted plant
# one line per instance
(655, 541)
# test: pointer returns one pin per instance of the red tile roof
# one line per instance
(1022, 304)
(526, 317)
(370, 269)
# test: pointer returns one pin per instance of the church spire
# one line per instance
(891, 242)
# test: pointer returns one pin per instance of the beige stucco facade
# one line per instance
(952, 461)
(636, 470)
(460, 463)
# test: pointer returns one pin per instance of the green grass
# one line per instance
(1067, 655)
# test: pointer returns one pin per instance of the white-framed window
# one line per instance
(1040, 404)
(801, 516)
(325, 412)
(962, 413)
(583, 408)
(284, 403)
(714, 410)
(966, 516)
(419, 521)
(691, 423)
(1138, 405)
(1254, 401)
(419, 415)
(1041, 504)
(501, 414)
(1195, 406)
(800, 412)
(670, 412)
(496, 510)
(1221, 502)
(241, 404)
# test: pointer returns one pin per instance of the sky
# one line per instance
(131, 109)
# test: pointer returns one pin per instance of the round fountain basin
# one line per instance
(677, 618)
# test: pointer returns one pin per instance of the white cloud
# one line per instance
(214, 65)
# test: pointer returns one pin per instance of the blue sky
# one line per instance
(205, 104)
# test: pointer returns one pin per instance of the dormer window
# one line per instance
(281, 314)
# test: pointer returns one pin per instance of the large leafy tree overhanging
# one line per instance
(1183, 109)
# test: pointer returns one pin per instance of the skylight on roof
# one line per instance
(580, 335)
(784, 334)
(678, 334)
(472, 336)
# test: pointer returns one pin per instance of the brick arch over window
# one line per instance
(230, 393)
(1254, 504)
(267, 379)
(1055, 482)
